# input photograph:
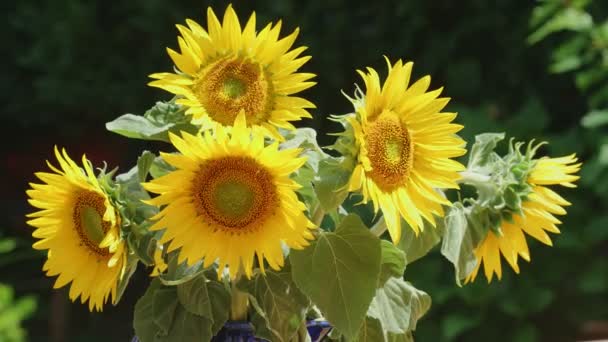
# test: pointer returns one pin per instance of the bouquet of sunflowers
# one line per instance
(249, 228)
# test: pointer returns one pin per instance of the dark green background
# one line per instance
(69, 66)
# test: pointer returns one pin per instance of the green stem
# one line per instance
(317, 215)
(379, 227)
(239, 302)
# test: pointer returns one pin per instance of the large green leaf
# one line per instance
(331, 180)
(415, 247)
(393, 262)
(220, 301)
(370, 331)
(179, 273)
(280, 307)
(398, 306)
(187, 327)
(143, 317)
(159, 317)
(165, 304)
(155, 124)
(459, 240)
(193, 296)
(339, 272)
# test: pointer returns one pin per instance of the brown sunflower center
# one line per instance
(235, 194)
(231, 85)
(87, 216)
(390, 151)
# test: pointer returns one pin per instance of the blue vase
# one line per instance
(242, 331)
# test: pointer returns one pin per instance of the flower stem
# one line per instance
(317, 215)
(379, 227)
(239, 302)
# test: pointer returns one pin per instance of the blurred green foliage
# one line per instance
(12, 310)
(532, 69)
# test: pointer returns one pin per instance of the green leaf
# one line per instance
(569, 18)
(163, 309)
(393, 262)
(455, 324)
(407, 337)
(194, 297)
(280, 306)
(415, 247)
(156, 123)
(131, 266)
(595, 118)
(220, 301)
(187, 327)
(160, 167)
(482, 150)
(339, 272)
(398, 306)
(143, 317)
(306, 139)
(370, 331)
(459, 240)
(7, 245)
(331, 180)
(144, 162)
(180, 273)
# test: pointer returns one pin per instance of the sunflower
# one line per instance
(404, 145)
(537, 217)
(230, 199)
(79, 227)
(227, 70)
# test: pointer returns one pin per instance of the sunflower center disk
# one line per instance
(87, 217)
(234, 194)
(231, 85)
(390, 151)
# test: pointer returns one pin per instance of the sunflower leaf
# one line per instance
(415, 247)
(164, 308)
(393, 262)
(187, 327)
(281, 306)
(370, 331)
(143, 317)
(459, 241)
(398, 306)
(144, 162)
(220, 300)
(331, 180)
(179, 273)
(339, 272)
(155, 124)
(194, 297)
